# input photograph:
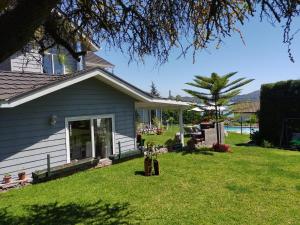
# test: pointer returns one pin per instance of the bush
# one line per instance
(256, 138)
(221, 148)
(278, 102)
(191, 144)
(266, 144)
(170, 143)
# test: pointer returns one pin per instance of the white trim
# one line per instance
(92, 137)
(90, 118)
(181, 127)
(67, 141)
(104, 77)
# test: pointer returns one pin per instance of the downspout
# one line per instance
(80, 64)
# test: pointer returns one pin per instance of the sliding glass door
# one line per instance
(90, 137)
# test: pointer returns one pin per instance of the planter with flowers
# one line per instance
(22, 175)
(150, 153)
(7, 178)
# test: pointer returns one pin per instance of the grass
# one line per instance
(252, 185)
(161, 139)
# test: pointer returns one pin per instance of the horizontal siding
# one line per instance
(26, 136)
(31, 62)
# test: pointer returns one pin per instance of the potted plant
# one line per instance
(7, 178)
(148, 159)
(156, 164)
(22, 175)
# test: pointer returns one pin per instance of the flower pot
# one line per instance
(6, 179)
(156, 167)
(148, 166)
(22, 175)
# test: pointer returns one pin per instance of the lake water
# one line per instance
(246, 130)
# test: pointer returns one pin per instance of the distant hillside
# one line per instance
(252, 97)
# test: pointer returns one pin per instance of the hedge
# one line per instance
(278, 102)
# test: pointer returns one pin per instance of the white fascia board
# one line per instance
(170, 102)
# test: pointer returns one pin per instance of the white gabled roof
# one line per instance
(35, 91)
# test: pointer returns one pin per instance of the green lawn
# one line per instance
(252, 185)
(161, 139)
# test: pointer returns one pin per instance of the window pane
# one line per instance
(58, 66)
(80, 139)
(47, 64)
(103, 137)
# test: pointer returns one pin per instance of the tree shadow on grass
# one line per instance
(200, 151)
(72, 213)
(246, 144)
(139, 173)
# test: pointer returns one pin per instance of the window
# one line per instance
(52, 64)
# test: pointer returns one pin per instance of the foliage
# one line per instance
(151, 150)
(266, 144)
(156, 122)
(170, 143)
(170, 116)
(153, 91)
(191, 117)
(221, 147)
(191, 144)
(253, 119)
(217, 91)
(139, 28)
(279, 101)
(256, 138)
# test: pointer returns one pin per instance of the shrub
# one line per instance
(266, 144)
(221, 147)
(256, 138)
(191, 144)
(170, 143)
(278, 101)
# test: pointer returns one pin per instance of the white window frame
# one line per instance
(91, 118)
(52, 63)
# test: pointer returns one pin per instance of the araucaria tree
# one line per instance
(217, 91)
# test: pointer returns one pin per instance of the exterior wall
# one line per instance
(30, 62)
(26, 136)
(5, 65)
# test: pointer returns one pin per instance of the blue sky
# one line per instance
(264, 58)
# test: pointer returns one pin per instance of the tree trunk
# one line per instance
(19, 24)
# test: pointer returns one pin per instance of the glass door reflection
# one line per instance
(103, 137)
